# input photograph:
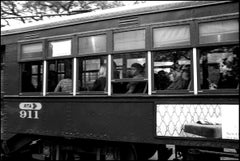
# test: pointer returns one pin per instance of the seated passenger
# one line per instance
(136, 73)
(163, 80)
(181, 80)
(65, 85)
(228, 72)
(100, 82)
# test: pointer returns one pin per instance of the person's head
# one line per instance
(102, 71)
(136, 69)
(68, 75)
(185, 72)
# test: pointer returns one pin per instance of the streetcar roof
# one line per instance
(103, 15)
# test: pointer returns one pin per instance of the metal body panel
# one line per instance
(123, 119)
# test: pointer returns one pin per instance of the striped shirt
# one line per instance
(65, 85)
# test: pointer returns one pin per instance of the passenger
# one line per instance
(163, 80)
(180, 79)
(136, 73)
(65, 85)
(52, 78)
(228, 75)
(100, 82)
(116, 74)
(27, 85)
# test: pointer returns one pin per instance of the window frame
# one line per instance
(124, 80)
(177, 91)
(89, 57)
(208, 91)
(58, 93)
(20, 64)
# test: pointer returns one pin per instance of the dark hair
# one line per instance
(138, 66)
(68, 74)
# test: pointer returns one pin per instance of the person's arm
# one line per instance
(58, 87)
(131, 87)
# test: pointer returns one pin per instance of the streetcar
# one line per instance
(184, 95)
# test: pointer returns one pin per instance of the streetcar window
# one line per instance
(220, 31)
(92, 44)
(219, 68)
(32, 76)
(59, 48)
(129, 40)
(92, 69)
(171, 36)
(59, 70)
(128, 69)
(172, 70)
(29, 51)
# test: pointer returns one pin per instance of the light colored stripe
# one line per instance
(109, 75)
(74, 76)
(44, 77)
(149, 58)
(195, 78)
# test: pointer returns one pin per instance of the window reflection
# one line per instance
(60, 48)
(219, 67)
(172, 70)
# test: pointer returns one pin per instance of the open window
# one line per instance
(92, 75)
(172, 70)
(59, 76)
(219, 67)
(129, 73)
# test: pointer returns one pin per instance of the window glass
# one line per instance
(60, 48)
(92, 74)
(220, 31)
(92, 44)
(172, 70)
(129, 40)
(129, 73)
(59, 78)
(219, 68)
(31, 50)
(169, 36)
(32, 77)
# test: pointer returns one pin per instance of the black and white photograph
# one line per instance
(120, 80)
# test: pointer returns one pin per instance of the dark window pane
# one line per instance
(32, 77)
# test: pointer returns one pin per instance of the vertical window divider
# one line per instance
(149, 59)
(195, 82)
(109, 69)
(44, 77)
(74, 76)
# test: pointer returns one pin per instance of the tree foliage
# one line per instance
(29, 11)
